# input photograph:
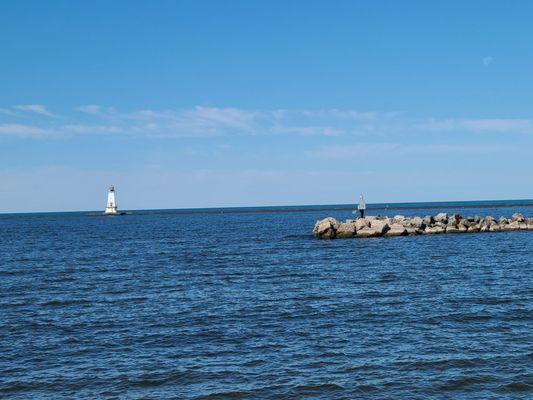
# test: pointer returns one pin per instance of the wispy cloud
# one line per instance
(95, 110)
(200, 121)
(20, 130)
(499, 125)
(358, 151)
(343, 114)
(8, 112)
(487, 125)
(216, 121)
(35, 108)
(91, 129)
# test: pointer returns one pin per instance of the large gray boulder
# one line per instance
(411, 230)
(367, 232)
(405, 223)
(361, 223)
(398, 219)
(441, 217)
(428, 220)
(495, 227)
(454, 219)
(432, 230)
(465, 222)
(326, 228)
(452, 229)
(517, 217)
(489, 220)
(513, 226)
(346, 230)
(379, 226)
(462, 228)
(396, 230)
(474, 228)
(417, 222)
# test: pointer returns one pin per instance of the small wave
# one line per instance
(225, 395)
(300, 236)
(253, 363)
(158, 379)
(314, 389)
(17, 388)
(458, 317)
(290, 275)
(64, 303)
(321, 364)
(366, 388)
(519, 387)
(445, 364)
(466, 382)
(387, 277)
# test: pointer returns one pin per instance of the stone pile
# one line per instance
(374, 226)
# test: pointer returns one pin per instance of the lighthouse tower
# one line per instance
(111, 203)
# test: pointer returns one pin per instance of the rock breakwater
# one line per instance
(375, 226)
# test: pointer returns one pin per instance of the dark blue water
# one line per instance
(249, 305)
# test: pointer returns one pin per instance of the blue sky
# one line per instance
(237, 103)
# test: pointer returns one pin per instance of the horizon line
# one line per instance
(307, 207)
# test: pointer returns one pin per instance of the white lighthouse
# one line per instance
(111, 208)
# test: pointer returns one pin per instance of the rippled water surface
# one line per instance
(250, 305)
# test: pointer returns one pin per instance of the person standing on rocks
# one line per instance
(362, 206)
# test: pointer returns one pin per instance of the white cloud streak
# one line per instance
(197, 122)
(9, 113)
(95, 110)
(34, 108)
(20, 130)
(487, 125)
(91, 129)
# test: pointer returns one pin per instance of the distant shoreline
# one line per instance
(340, 207)
(311, 208)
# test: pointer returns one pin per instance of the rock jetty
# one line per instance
(375, 226)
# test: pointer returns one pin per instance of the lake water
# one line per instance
(246, 304)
